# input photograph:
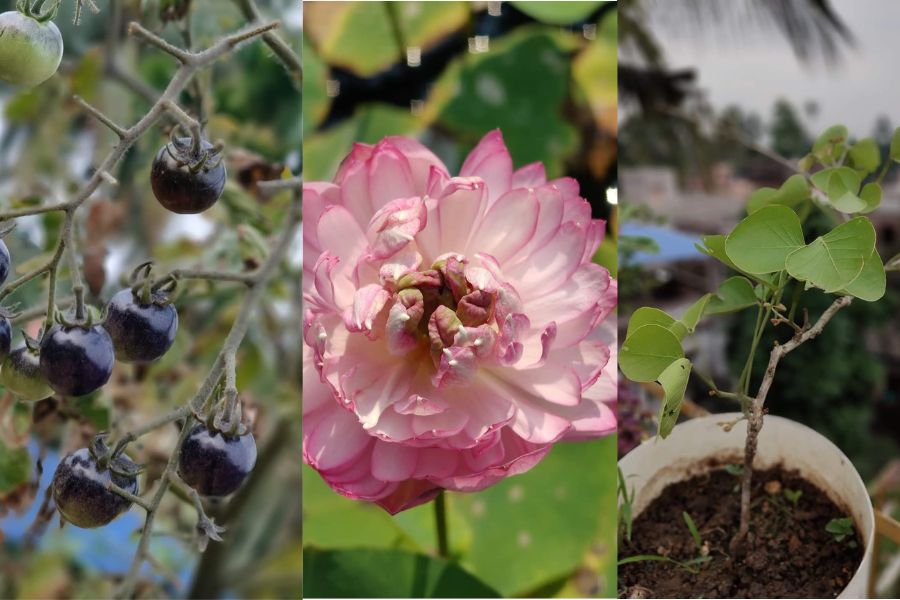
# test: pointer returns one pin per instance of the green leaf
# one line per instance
(832, 261)
(15, 467)
(379, 573)
(871, 283)
(793, 192)
(895, 145)
(865, 155)
(836, 134)
(647, 315)
(558, 13)
(480, 92)
(714, 245)
(692, 527)
(315, 99)
(648, 351)
(517, 543)
(694, 313)
(358, 36)
(842, 186)
(871, 195)
(762, 241)
(734, 294)
(674, 380)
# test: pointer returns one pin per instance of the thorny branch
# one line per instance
(755, 418)
(224, 365)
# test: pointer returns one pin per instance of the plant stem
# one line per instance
(440, 522)
(755, 419)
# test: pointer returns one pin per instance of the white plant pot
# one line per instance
(656, 463)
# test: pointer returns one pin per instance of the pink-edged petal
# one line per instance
(509, 346)
(390, 176)
(421, 161)
(409, 494)
(586, 289)
(595, 233)
(316, 196)
(339, 233)
(368, 302)
(535, 419)
(552, 265)
(531, 175)
(322, 278)
(508, 225)
(554, 382)
(421, 406)
(333, 438)
(457, 214)
(457, 367)
(353, 179)
(393, 462)
(490, 160)
(395, 225)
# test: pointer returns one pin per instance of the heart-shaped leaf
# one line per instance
(734, 294)
(871, 283)
(871, 195)
(648, 351)
(647, 315)
(832, 261)
(794, 191)
(762, 241)
(674, 380)
(834, 135)
(842, 186)
(865, 155)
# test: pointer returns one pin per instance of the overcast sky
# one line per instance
(744, 66)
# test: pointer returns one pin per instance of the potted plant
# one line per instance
(724, 506)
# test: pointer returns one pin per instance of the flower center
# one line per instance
(454, 310)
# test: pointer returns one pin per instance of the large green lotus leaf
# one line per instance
(762, 241)
(358, 36)
(315, 100)
(558, 13)
(674, 382)
(384, 573)
(595, 73)
(332, 521)
(323, 151)
(519, 86)
(831, 262)
(533, 529)
(648, 351)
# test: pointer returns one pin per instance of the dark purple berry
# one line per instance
(76, 360)
(141, 332)
(184, 181)
(80, 488)
(216, 464)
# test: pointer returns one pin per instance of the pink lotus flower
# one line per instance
(455, 325)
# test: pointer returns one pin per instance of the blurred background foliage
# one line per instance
(48, 148)
(446, 73)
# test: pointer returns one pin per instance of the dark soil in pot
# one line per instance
(789, 553)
